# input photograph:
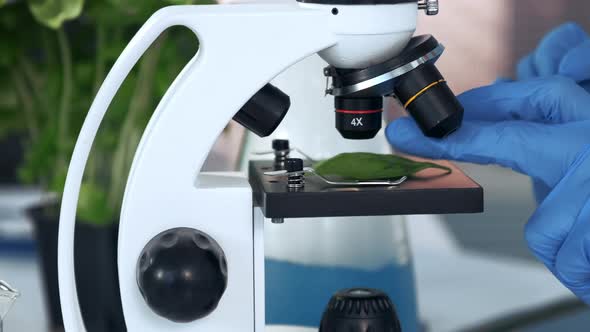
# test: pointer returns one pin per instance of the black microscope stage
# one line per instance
(427, 193)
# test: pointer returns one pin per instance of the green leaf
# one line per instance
(2, 3)
(370, 166)
(93, 207)
(53, 13)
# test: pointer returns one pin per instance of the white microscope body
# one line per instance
(242, 48)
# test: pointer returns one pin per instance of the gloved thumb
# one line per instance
(546, 59)
(536, 149)
(558, 231)
(575, 63)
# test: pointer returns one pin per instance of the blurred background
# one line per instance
(55, 54)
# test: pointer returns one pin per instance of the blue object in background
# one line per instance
(298, 294)
(16, 247)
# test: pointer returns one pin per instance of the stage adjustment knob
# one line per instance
(360, 310)
(182, 274)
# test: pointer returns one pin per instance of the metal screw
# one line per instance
(277, 220)
(296, 177)
(281, 149)
(431, 7)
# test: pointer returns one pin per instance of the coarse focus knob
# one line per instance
(280, 144)
(360, 310)
(294, 165)
(182, 274)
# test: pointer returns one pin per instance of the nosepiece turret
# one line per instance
(412, 77)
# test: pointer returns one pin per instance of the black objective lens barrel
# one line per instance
(358, 118)
(263, 113)
(430, 101)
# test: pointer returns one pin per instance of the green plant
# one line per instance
(55, 55)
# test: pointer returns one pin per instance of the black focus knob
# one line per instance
(360, 310)
(294, 165)
(182, 274)
(280, 144)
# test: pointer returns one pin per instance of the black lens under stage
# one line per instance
(360, 310)
(358, 118)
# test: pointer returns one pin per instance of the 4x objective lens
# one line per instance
(358, 118)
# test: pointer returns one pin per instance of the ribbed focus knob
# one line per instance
(294, 165)
(280, 144)
(182, 274)
(360, 310)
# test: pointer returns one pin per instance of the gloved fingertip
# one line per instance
(501, 80)
(525, 69)
(575, 63)
(402, 131)
(549, 55)
(405, 136)
(570, 31)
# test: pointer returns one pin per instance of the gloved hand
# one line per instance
(564, 51)
(539, 127)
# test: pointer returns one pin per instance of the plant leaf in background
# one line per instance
(53, 13)
(92, 205)
(370, 166)
(55, 54)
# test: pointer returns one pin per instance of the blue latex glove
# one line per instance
(539, 127)
(564, 51)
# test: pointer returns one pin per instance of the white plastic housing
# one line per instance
(325, 242)
(369, 35)
(242, 47)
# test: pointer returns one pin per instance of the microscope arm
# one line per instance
(242, 47)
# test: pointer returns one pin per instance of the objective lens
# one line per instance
(358, 118)
(429, 100)
(263, 113)
(412, 77)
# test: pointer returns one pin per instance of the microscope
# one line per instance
(191, 243)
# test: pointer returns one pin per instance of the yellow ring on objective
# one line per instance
(421, 92)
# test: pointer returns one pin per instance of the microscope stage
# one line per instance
(426, 193)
